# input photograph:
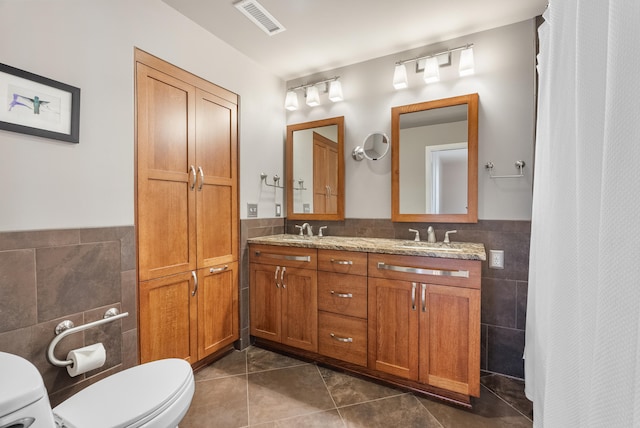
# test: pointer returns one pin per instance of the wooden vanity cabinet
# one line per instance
(284, 301)
(424, 320)
(342, 305)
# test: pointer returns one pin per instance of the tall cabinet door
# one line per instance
(166, 208)
(217, 308)
(216, 192)
(168, 318)
(393, 327)
(450, 338)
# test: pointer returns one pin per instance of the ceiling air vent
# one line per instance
(259, 15)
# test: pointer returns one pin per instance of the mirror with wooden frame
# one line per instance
(315, 170)
(434, 156)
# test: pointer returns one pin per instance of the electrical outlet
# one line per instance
(252, 210)
(496, 259)
(278, 210)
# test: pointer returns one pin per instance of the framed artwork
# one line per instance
(38, 106)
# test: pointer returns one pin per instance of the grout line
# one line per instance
(428, 411)
(246, 379)
(506, 402)
(374, 400)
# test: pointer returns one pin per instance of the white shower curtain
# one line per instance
(582, 353)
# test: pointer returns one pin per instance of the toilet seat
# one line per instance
(144, 394)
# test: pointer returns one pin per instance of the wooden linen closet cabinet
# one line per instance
(186, 213)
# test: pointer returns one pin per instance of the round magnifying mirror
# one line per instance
(375, 147)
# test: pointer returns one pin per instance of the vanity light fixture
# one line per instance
(466, 66)
(291, 102)
(431, 70)
(331, 86)
(430, 65)
(312, 95)
(400, 76)
(335, 91)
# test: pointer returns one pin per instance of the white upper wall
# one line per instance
(504, 79)
(46, 184)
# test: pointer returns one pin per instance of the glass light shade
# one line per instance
(335, 91)
(313, 97)
(400, 77)
(291, 102)
(466, 62)
(431, 70)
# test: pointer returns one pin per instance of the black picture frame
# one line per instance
(39, 106)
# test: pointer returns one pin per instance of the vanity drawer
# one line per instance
(343, 338)
(454, 272)
(342, 294)
(350, 262)
(303, 258)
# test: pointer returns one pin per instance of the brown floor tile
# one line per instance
(347, 390)
(218, 403)
(288, 392)
(489, 411)
(399, 411)
(328, 419)
(234, 363)
(260, 359)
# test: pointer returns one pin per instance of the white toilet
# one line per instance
(151, 395)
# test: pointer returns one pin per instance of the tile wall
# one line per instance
(75, 274)
(504, 291)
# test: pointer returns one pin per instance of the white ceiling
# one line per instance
(326, 34)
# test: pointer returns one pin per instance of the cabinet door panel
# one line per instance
(450, 339)
(217, 232)
(393, 327)
(167, 319)
(217, 308)
(216, 138)
(300, 309)
(265, 302)
(165, 153)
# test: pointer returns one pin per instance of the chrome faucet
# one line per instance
(446, 235)
(417, 232)
(431, 235)
(309, 229)
(320, 230)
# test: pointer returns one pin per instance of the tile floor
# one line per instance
(259, 388)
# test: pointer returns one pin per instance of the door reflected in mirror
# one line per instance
(434, 160)
(315, 170)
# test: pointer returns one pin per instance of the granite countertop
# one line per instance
(453, 250)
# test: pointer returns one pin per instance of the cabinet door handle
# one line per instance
(284, 269)
(420, 271)
(343, 295)
(342, 262)
(342, 339)
(413, 296)
(218, 270)
(201, 178)
(424, 297)
(276, 276)
(195, 282)
(284, 257)
(193, 174)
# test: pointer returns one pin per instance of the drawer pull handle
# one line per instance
(218, 270)
(343, 295)
(342, 339)
(342, 262)
(420, 271)
(284, 257)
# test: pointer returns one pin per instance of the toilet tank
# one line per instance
(23, 398)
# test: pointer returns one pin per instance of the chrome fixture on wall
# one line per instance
(430, 65)
(331, 86)
(519, 164)
(276, 181)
